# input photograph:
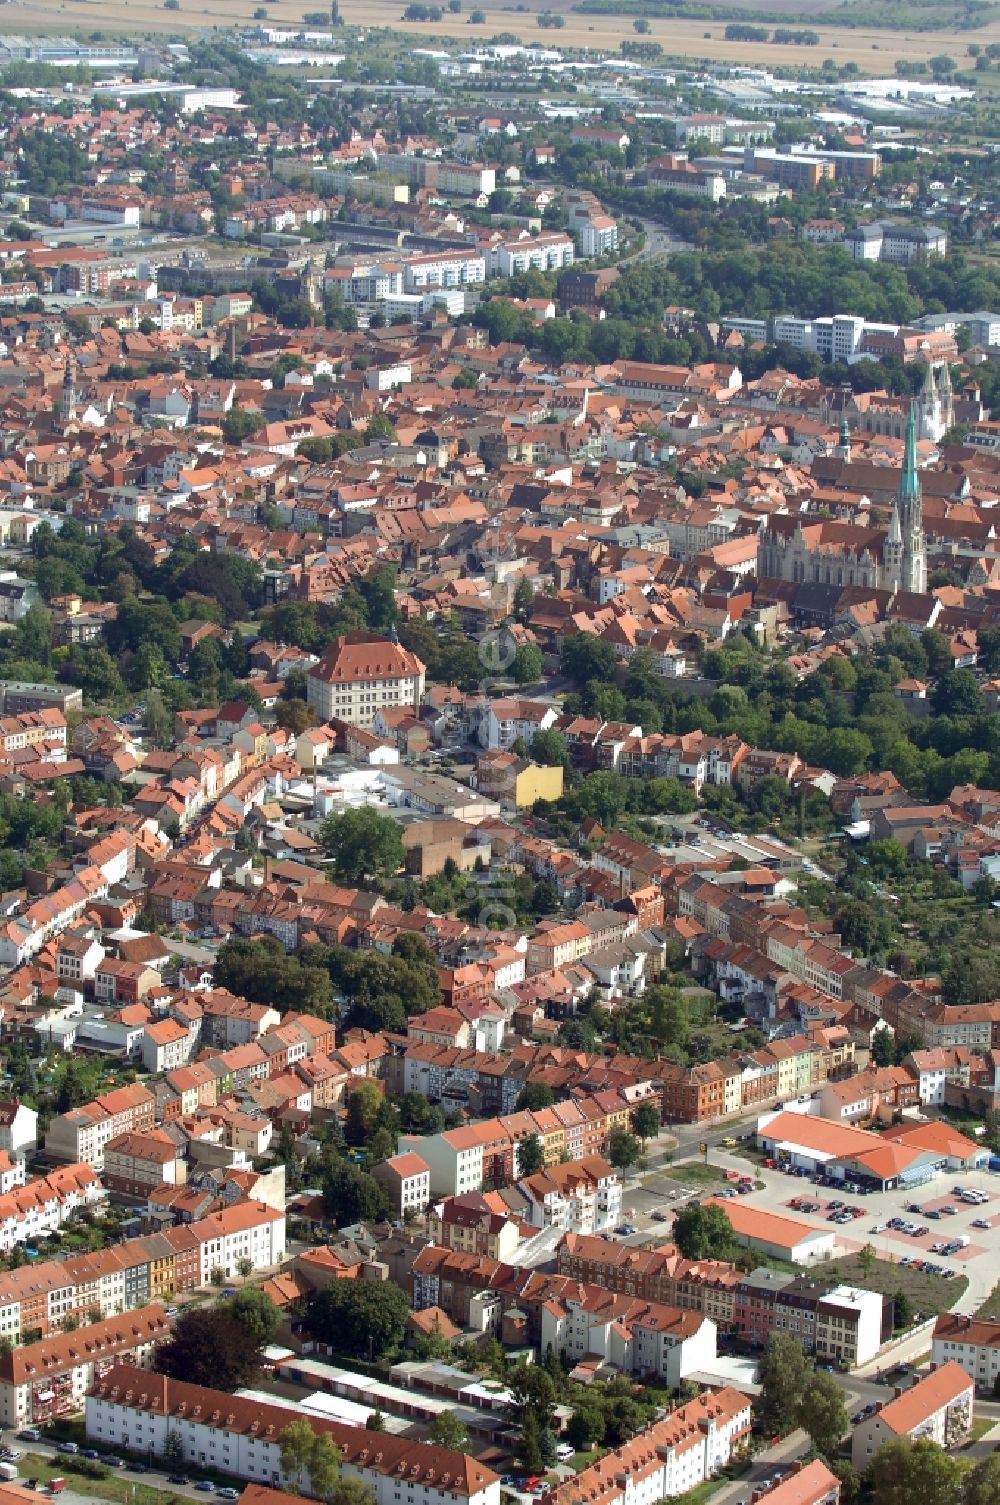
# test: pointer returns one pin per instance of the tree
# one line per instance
(535, 1095)
(360, 1317)
(646, 1121)
(527, 665)
(586, 657)
(524, 597)
(240, 424)
(550, 748)
(903, 1471)
(157, 720)
(902, 1311)
(363, 844)
(255, 1312)
(530, 1155)
(981, 1485)
(296, 1442)
(295, 715)
(447, 1431)
(822, 1412)
(586, 1425)
(784, 1371)
(883, 1048)
(210, 1346)
(623, 1149)
(704, 1232)
(351, 1195)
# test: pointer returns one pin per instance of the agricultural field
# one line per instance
(873, 49)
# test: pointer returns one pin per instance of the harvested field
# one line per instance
(874, 50)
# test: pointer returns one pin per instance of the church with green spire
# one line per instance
(826, 551)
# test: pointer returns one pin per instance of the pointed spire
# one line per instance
(929, 388)
(909, 484)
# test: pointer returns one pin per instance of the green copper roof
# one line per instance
(909, 485)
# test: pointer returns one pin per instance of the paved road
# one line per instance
(794, 1446)
(156, 1478)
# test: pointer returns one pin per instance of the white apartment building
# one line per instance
(444, 269)
(970, 1341)
(42, 1381)
(581, 1196)
(361, 672)
(81, 1134)
(454, 1159)
(848, 1326)
(668, 1458)
(548, 252)
(631, 1337)
(938, 1407)
(18, 1128)
(239, 1436)
(249, 1230)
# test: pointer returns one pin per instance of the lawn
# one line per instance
(929, 1293)
(979, 1429)
(111, 1487)
(584, 1460)
(694, 1173)
(991, 1306)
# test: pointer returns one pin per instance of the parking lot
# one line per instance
(885, 1221)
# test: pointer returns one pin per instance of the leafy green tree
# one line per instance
(296, 1443)
(360, 1317)
(646, 1121)
(822, 1413)
(535, 1095)
(363, 844)
(624, 1149)
(585, 657)
(351, 1195)
(902, 1311)
(550, 748)
(704, 1232)
(260, 970)
(256, 1313)
(903, 1471)
(530, 1155)
(210, 1346)
(586, 1426)
(783, 1375)
(240, 424)
(527, 665)
(447, 1431)
(981, 1485)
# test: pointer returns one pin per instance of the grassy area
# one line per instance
(117, 1490)
(693, 1173)
(979, 1428)
(929, 1293)
(701, 1492)
(991, 1306)
(584, 1460)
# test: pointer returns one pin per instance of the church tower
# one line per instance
(947, 394)
(842, 449)
(67, 397)
(909, 517)
(929, 408)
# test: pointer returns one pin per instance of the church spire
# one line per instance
(909, 513)
(909, 484)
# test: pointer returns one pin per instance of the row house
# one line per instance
(234, 1435)
(108, 1282)
(668, 1458)
(43, 1382)
(81, 1134)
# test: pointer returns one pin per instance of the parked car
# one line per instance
(228, 1493)
(67, 1447)
(30, 1434)
(205, 1486)
(981, 1223)
(113, 1461)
